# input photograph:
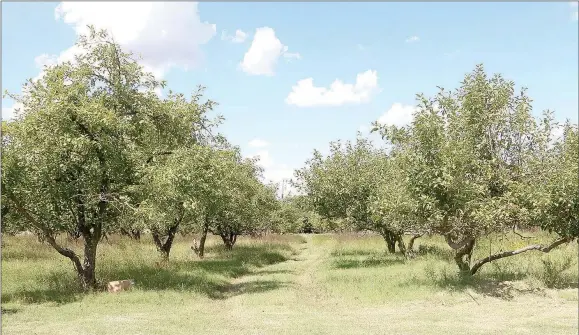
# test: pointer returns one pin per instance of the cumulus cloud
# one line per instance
(258, 143)
(239, 36)
(9, 113)
(412, 39)
(165, 35)
(292, 55)
(398, 115)
(363, 129)
(264, 53)
(305, 94)
(274, 172)
(264, 159)
(45, 60)
(557, 133)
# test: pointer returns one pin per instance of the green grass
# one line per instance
(291, 284)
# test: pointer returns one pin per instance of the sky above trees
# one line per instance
(291, 77)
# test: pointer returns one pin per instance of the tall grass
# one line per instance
(360, 268)
(354, 267)
(33, 272)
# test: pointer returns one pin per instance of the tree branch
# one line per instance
(519, 235)
(510, 253)
(150, 159)
(70, 254)
(456, 245)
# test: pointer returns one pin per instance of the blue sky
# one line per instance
(382, 54)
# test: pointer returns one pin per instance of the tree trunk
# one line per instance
(227, 241)
(87, 276)
(463, 256)
(390, 241)
(136, 235)
(199, 249)
(411, 242)
(164, 247)
(401, 244)
(202, 243)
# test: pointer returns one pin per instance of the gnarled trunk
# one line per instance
(134, 234)
(463, 252)
(164, 247)
(411, 242)
(463, 257)
(390, 239)
(199, 249)
(88, 278)
(401, 245)
(229, 240)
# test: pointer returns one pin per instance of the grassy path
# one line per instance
(290, 296)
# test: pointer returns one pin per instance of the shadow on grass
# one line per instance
(365, 263)
(273, 272)
(258, 286)
(435, 251)
(6, 310)
(354, 252)
(210, 277)
(57, 287)
(504, 284)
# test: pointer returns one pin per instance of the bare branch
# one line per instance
(510, 253)
(46, 233)
(519, 235)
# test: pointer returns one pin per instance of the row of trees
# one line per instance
(95, 151)
(473, 162)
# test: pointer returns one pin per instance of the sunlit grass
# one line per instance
(291, 284)
(360, 268)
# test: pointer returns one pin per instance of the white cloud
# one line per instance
(45, 60)
(265, 160)
(275, 172)
(264, 52)
(164, 34)
(258, 143)
(8, 113)
(278, 172)
(363, 129)
(398, 115)
(575, 13)
(292, 55)
(305, 94)
(239, 36)
(412, 39)
(557, 133)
